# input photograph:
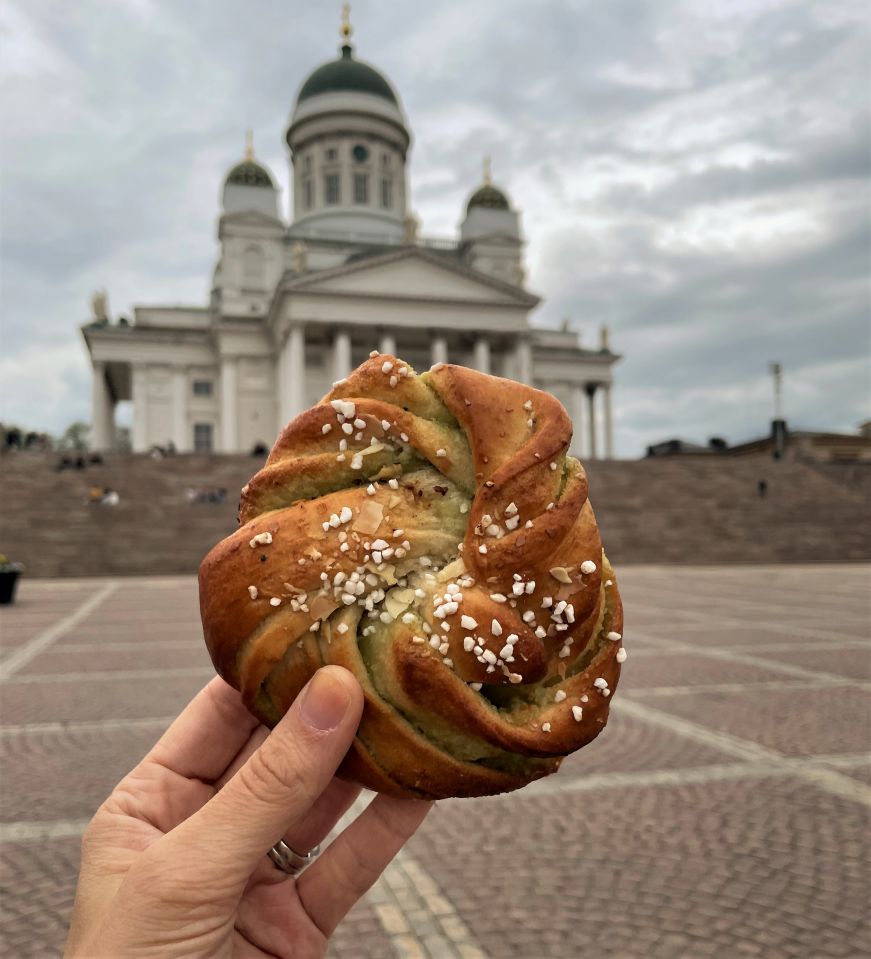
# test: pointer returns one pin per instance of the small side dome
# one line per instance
(249, 187)
(250, 173)
(489, 197)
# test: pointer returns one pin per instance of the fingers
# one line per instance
(207, 735)
(351, 864)
(315, 826)
(277, 786)
(312, 829)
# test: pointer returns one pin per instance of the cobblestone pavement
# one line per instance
(724, 811)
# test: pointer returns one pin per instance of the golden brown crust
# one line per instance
(430, 534)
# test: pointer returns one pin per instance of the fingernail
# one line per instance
(325, 700)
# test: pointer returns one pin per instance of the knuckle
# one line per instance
(276, 775)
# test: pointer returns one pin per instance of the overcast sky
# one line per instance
(695, 174)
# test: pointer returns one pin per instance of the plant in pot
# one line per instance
(9, 573)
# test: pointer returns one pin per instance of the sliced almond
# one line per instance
(452, 570)
(369, 517)
(560, 573)
(397, 601)
(321, 607)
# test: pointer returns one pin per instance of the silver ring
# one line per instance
(289, 860)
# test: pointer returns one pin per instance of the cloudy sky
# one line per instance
(695, 174)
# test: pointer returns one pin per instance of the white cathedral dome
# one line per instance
(349, 140)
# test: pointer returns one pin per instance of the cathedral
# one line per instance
(298, 302)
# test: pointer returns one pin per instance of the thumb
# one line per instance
(278, 784)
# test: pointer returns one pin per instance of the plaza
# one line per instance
(723, 812)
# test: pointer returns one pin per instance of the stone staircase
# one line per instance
(686, 510)
(707, 509)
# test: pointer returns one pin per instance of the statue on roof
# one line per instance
(411, 224)
(100, 306)
(299, 257)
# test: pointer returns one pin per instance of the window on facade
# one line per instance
(386, 192)
(203, 437)
(331, 189)
(361, 187)
(307, 164)
(202, 387)
(332, 154)
(385, 161)
(308, 193)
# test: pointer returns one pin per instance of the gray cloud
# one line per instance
(693, 174)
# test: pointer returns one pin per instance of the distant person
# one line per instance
(12, 440)
(64, 463)
(169, 449)
(95, 495)
(260, 449)
(95, 459)
(79, 462)
(762, 488)
(110, 497)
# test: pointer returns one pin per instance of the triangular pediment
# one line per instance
(413, 274)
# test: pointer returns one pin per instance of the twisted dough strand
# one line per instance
(430, 534)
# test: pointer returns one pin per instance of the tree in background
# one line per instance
(75, 437)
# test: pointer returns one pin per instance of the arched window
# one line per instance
(253, 267)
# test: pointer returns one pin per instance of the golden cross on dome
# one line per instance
(488, 177)
(346, 29)
(249, 144)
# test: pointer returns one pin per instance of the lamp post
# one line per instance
(778, 424)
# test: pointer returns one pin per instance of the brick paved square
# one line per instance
(629, 745)
(665, 872)
(657, 669)
(851, 663)
(88, 761)
(799, 723)
(35, 702)
(111, 657)
(722, 812)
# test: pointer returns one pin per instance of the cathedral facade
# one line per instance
(297, 304)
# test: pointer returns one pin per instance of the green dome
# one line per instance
(346, 74)
(490, 197)
(250, 173)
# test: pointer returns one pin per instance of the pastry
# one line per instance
(430, 533)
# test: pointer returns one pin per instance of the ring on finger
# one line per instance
(289, 861)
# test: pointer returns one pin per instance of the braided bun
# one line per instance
(430, 534)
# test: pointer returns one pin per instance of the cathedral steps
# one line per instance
(685, 510)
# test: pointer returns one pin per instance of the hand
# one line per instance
(174, 862)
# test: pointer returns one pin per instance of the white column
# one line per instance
(229, 405)
(180, 409)
(609, 424)
(482, 354)
(281, 385)
(578, 420)
(523, 358)
(387, 344)
(139, 394)
(341, 354)
(102, 409)
(294, 371)
(591, 396)
(439, 348)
